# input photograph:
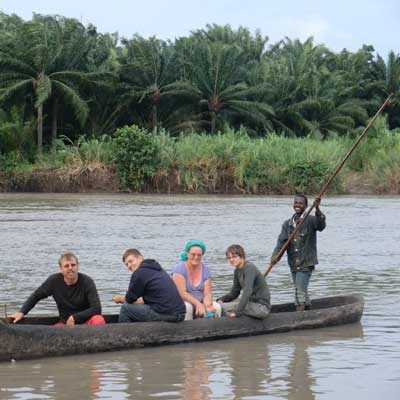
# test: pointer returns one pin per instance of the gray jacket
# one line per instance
(302, 250)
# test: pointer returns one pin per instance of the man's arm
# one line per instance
(320, 221)
(249, 278)
(207, 298)
(43, 291)
(135, 289)
(234, 293)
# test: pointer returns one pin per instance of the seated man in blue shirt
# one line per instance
(152, 295)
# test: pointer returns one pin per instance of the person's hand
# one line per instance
(210, 308)
(70, 321)
(317, 202)
(200, 310)
(118, 299)
(232, 315)
(138, 301)
(274, 260)
(17, 317)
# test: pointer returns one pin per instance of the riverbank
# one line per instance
(226, 163)
(58, 180)
(105, 180)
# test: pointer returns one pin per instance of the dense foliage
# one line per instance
(72, 80)
(63, 82)
(137, 155)
(227, 162)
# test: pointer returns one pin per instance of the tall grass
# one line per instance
(67, 167)
(232, 161)
(384, 166)
(378, 157)
(85, 154)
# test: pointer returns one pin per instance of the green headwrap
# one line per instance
(190, 244)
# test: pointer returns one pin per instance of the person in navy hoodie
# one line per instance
(151, 295)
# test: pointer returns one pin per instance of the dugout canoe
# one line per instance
(35, 337)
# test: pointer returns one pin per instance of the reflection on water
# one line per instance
(274, 366)
(358, 253)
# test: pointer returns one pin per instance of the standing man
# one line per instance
(74, 293)
(151, 295)
(302, 250)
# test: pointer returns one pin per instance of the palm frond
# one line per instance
(12, 64)
(8, 78)
(14, 89)
(79, 106)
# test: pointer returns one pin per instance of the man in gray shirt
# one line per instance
(255, 300)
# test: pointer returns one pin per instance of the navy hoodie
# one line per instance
(156, 287)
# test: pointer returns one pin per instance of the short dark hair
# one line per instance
(236, 250)
(131, 252)
(302, 195)
(67, 256)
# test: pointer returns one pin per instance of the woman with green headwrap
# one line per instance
(193, 279)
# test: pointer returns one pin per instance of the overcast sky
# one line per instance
(336, 23)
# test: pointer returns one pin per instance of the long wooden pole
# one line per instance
(5, 314)
(321, 193)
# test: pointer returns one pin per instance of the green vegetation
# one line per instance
(220, 110)
(234, 162)
(227, 162)
(137, 156)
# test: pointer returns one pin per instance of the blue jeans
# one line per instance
(301, 279)
(143, 313)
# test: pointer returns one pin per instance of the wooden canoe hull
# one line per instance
(32, 340)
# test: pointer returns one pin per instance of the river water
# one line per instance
(359, 252)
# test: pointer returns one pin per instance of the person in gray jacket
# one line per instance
(255, 300)
(302, 250)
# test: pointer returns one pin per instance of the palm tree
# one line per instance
(217, 86)
(326, 117)
(31, 66)
(252, 46)
(289, 67)
(392, 85)
(147, 69)
(284, 95)
(309, 95)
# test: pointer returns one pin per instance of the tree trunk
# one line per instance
(40, 128)
(154, 120)
(213, 121)
(54, 123)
